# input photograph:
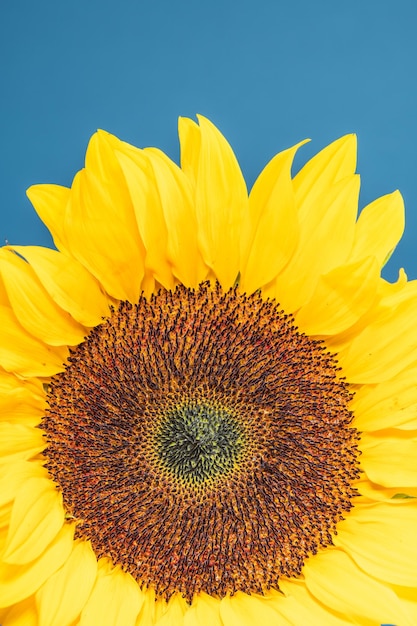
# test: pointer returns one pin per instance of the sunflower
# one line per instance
(208, 399)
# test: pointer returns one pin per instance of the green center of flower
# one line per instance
(202, 442)
(197, 442)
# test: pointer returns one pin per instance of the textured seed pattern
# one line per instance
(203, 442)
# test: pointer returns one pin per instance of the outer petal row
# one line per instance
(21, 401)
(336, 582)
(372, 533)
(376, 351)
(18, 582)
(158, 221)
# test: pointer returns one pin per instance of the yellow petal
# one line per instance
(68, 283)
(245, 610)
(33, 306)
(62, 597)
(18, 582)
(176, 199)
(174, 614)
(335, 162)
(19, 442)
(318, 252)
(220, 196)
(380, 538)
(22, 614)
(375, 492)
(408, 598)
(23, 354)
(115, 599)
(204, 610)
(379, 228)
(101, 161)
(385, 346)
(4, 298)
(148, 211)
(151, 609)
(50, 202)
(390, 404)
(23, 390)
(394, 293)
(15, 474)
(270, 235)
(190, 142)
(105, 240)
(300, 601)
(21, 401)
(390, 460)
(37, 517)
(5, 512)
(341, 297)
(334, 579)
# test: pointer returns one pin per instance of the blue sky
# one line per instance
(268, 73)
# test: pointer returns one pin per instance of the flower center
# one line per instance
(202, 442)
(197, 441)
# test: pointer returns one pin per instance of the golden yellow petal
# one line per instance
(105, 241)
(175, 610)
(22, 614)
(21, 401)
(19, 442)
(15, 474)
(245, 610)
(391, 404)
(4, 298)
(221, 200)
(408, 598)
(101, 161)
(23, 354)
(5, 513)
(68, 283)
(341, 297)
(380, 538)
(151, 609)
(394, 293)
(18, 582)
(300, 601)
(115, 598)
(384, 346)
(50, 202)
(379, 228)
(37, 517)
(190, 142)
(389, 458)
(29, 391)
(335, 162)
(148, 212)
(270, 235)
(176, 194)
(375, 492)
(204, 610)
(338, 583)
(62, 597)
(33, 306)
(318, 253)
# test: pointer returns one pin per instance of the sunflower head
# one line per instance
(208, 396)
(219, 433)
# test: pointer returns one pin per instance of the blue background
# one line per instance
(267, 73)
